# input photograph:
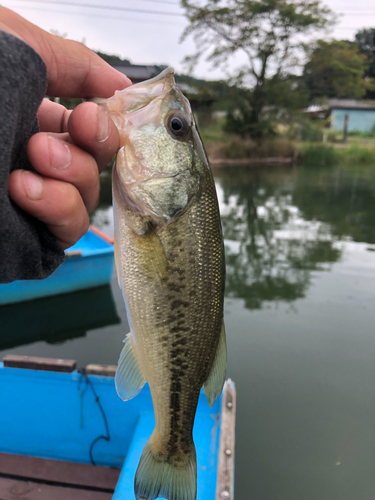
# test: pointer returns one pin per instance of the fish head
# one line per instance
(161, 163)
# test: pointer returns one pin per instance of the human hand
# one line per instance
(73, 146)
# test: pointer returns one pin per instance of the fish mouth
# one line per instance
(140, 94)
(167, 73)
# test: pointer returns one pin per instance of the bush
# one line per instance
(312, 131)
(357, 154)
(237, 147)
(305, 129)
(365, 135)
(334, 136)
(319, 154)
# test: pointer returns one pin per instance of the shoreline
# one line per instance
(222, 162)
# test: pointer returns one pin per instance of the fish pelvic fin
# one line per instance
(159, 478)
(129, 378)
(215, 381)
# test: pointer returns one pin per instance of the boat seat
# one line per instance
(41, 479)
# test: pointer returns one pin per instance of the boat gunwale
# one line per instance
(225, 467)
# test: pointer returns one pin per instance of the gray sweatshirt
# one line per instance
(27, 249)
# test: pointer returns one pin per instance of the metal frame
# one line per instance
(225, 472)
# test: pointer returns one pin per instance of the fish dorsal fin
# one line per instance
(117, 263)
(215, 381)
(129, 379)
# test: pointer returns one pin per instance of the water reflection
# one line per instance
(58, 318)
(306, 400)
(271, 248)
(280, 224)
(342, 198)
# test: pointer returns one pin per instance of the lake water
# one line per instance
(300, 322)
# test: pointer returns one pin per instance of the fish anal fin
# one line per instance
(129, 379)
(215, 381)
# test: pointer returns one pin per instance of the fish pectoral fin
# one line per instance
(215, 381)
(129, 379)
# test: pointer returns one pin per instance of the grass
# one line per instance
(358, 154)
(236, 147)
(220, 144)
(214, 133)
(359, 148)
(319, 154)
(323, 154)
(306, 153)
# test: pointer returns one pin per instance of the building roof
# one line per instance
(350, 104)
(138, 72)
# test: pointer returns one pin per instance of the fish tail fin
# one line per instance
(157, 478)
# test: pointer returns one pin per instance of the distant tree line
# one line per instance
(287, 65)
(365, 39)
(341, 68)
(282, 72)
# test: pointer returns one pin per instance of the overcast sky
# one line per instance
(152, 36)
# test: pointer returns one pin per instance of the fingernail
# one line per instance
(103, 127)
(61, 156)
(33, 185)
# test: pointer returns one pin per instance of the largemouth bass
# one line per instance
(170, 262)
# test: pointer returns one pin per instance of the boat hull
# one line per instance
(89, 263)
(64, 419)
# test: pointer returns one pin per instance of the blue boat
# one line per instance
(54, 426)
(88, 264)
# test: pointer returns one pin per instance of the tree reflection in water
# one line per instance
(270, 248)
(341, 197)
(281, 223)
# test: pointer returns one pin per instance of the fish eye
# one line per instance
(178, 125)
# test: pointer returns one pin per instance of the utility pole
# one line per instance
(346, 121)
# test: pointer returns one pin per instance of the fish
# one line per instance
(169, 256)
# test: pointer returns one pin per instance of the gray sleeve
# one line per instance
(27, 249)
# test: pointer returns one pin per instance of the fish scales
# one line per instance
(176, 310)
(170, 262)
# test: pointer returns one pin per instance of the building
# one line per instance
(138, 72)
(361, 114)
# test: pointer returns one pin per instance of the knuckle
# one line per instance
(92, 174)
(89, 186)
(83, 226)
(71, 205)
(94, 201)
(65, 120)
(72, 230)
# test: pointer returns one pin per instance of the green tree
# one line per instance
(336, 69)
(269, 33)
(366, 42)
(114, 60)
